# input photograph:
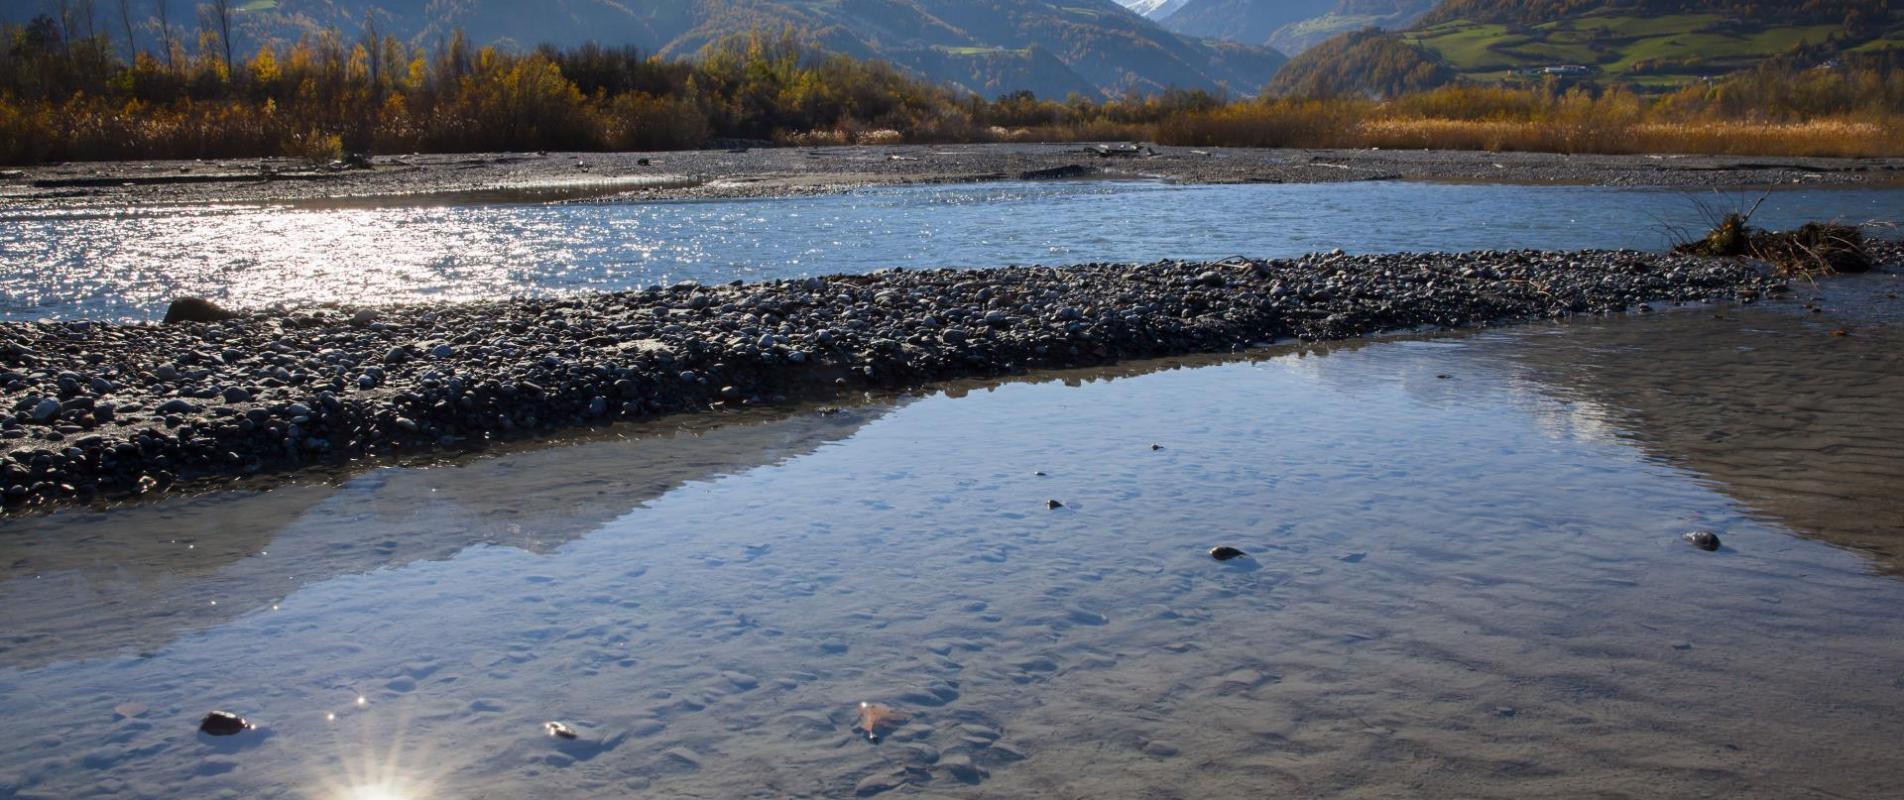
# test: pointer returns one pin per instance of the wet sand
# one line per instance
(1466, 582)
(777, 172)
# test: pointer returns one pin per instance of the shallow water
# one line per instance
(127, 263)
(1467, 581)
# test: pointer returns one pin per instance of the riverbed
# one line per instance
(1466, 578)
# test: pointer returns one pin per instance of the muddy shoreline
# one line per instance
(780, 172)
(98, 410)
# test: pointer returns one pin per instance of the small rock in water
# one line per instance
(1156, 447)
(1704, 540)
(877, 717)
(1226, 553)
(1053, 505)
(224, 723)
(559, 730)
(195, 309)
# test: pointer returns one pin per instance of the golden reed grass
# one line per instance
(1827, 137)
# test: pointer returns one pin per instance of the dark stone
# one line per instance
(1226, 553)
(1059, 173)
(195, 309)
(224, 723)
(1704, 540)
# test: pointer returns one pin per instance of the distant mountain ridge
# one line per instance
(1290, 26)
(990, 47)
(1243, 20)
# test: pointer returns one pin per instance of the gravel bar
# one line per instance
(788, 171)
(96, 410)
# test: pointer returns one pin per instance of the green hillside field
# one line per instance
(1659, 52)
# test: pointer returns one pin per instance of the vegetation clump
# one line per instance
(1815, 248)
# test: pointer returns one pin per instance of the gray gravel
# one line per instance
(765, 172)
(104, 409)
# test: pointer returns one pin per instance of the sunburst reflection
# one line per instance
(376, 761)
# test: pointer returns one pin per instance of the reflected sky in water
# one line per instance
(128, 263)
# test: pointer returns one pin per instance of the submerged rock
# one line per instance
(875, 719)
(1704, 540)
(1226, 553)
(224, 723)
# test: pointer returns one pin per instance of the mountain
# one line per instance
(1251, 21)
(1651, 45)
(1153, 9)
(1290, 26)
(1367, 62)
(1052, 47)
(1349, 15)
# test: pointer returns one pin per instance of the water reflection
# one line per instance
(1771, 407)
(138, 577)
(128, 263)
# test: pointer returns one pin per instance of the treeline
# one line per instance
(67, 98)
(1364, 62)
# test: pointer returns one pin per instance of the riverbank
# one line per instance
(103, 410)
(779, 172)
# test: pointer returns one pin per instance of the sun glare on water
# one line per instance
(379, 757)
